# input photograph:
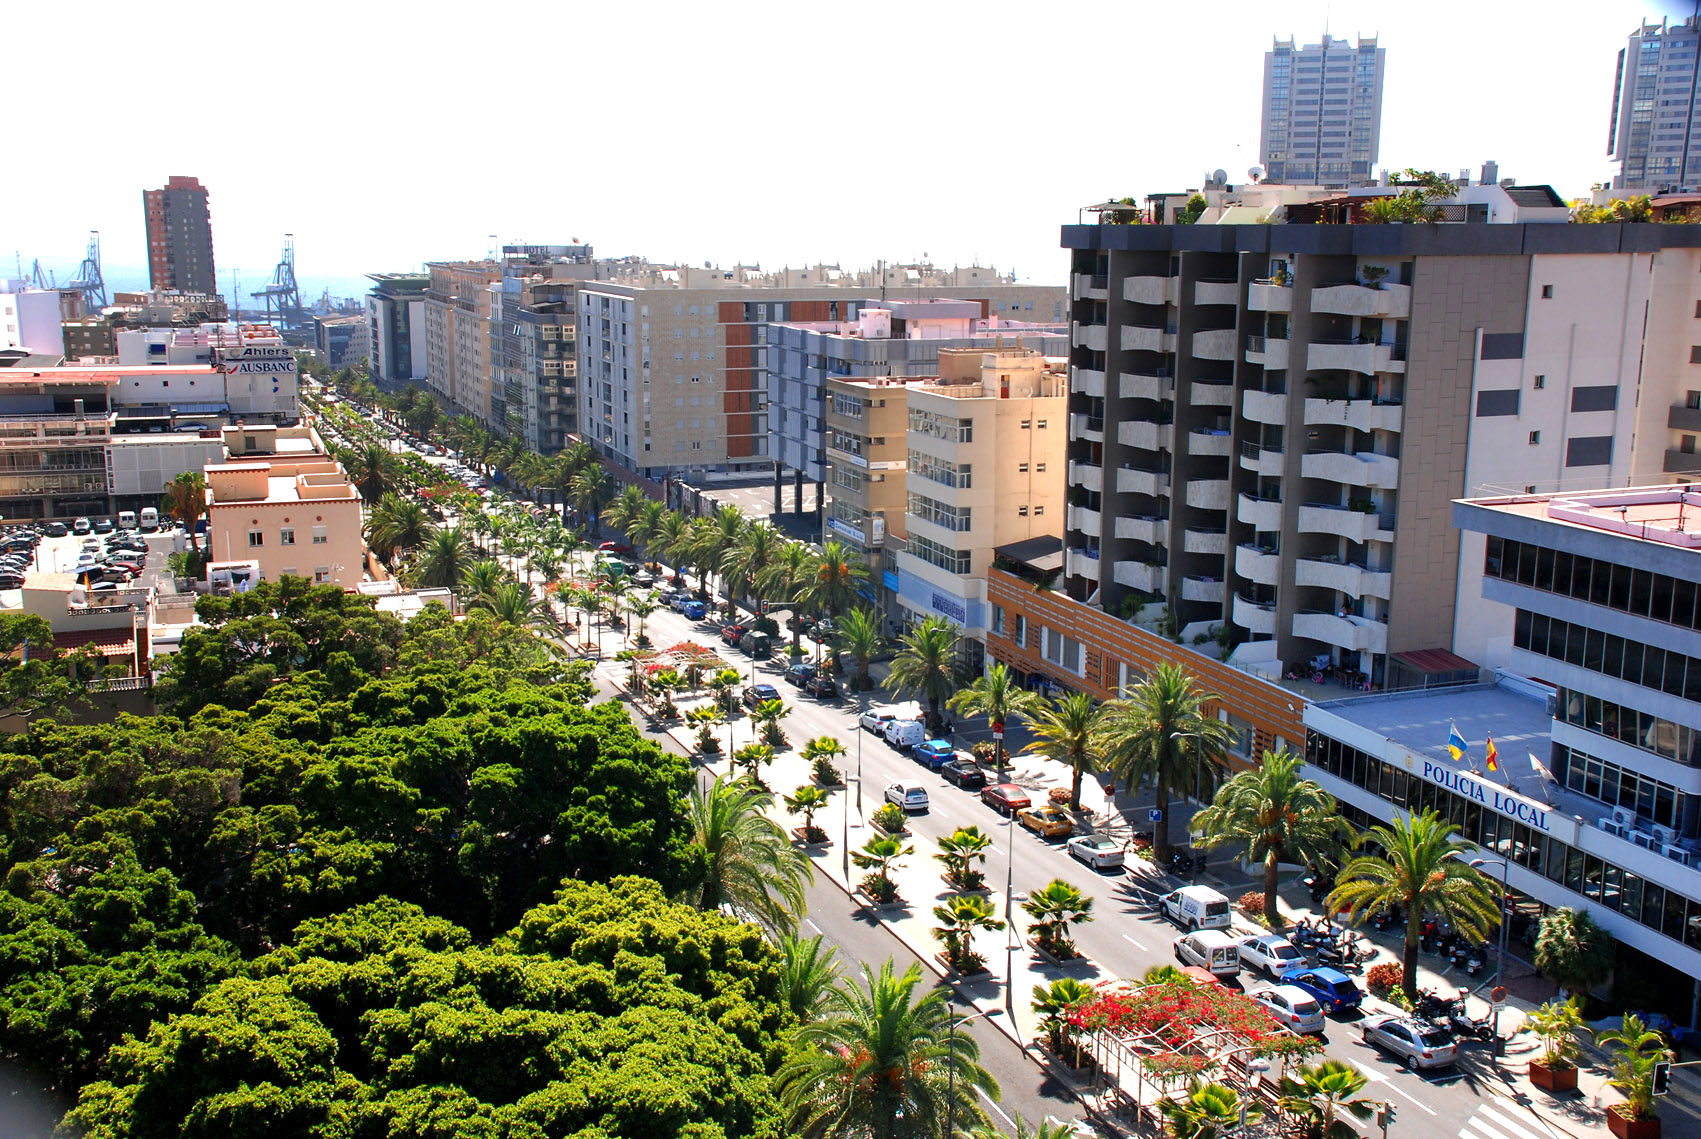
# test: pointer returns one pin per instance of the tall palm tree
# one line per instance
(374, 470)
(185, 498)
(751, 867)
(512, 603)
(479, 580)
(1279, 816)
(1321, 1092)
(1421, 869)
(998, 697)
(926, 663)
(808, 972)
(575, 460)
(859, 634)
(644, 529)
(443, 559)
(396, 526)
(745, 565)
(1162, 732)
(883, 1064)
(1063, 731)
(837, 581)
(720, 533)
(592, 487)
(670, 539)
(785, 581)
(626, 508)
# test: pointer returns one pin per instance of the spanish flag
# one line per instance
(1491, 753)
(1455, 743)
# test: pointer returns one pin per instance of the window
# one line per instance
(1541, 382)
(1695, 354)
(1502, 402)
(940, 514)
(1589, 451)
(1038, 510)
(256, 538)
(286, 536)
(1021, 634)
(320, 537)
(1547, 292)
(1039, 468)
(1535, 437)
(847, 405)
(944, 557)
(1021, 512)
(946, 427)
(937, 470)
(998, 619)
(1022, 468)
(321, 575)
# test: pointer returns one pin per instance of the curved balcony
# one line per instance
(1085, 521)
(1366, 359)
(1362, 469)
(1092, 287)
(1216, 292)
(1088, 475)
(1141, 575)
(1143, 528)
(1254, 616)
(1261, 460)
(1211, 393)
(1094, 337)
(1215, 344)
(1199, 541)
(1151, 290)
(1357, 300)
(1130, 480)
(1137, 386)
(1208, 494)
(1208, 443)
(1353, 580)
(1344, 522)
(1264, 407)
(1260, 513)
(1088, 381)
(1146, 435)
(1139, 338)
(1263, 296)
(1082, 563)
(1359, 414)
(1352, 632)
(1202, 589)
(1267, 352)
(1258, 564)
(1089, 427)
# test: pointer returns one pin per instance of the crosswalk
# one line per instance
(1502, 1120)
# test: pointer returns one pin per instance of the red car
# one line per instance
(732, 634)
(1006, 798)
(615, 548)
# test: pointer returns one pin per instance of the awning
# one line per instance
(108, 642)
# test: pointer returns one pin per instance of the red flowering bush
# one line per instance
(1252, 902)
(1383, 979)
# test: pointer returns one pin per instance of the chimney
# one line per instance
(1490, 172)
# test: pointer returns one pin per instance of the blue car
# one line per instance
(694, 610)
(935, 753)
(1332, 988)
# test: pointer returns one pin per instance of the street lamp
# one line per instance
(1010, 938)
(1198, 784)
(844, 837)
(1500, 948)
(951, 1054)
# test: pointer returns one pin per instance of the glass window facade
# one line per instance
(1620, 722)
(1609, 654)
(1638, 592)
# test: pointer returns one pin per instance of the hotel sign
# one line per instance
(1536, 816)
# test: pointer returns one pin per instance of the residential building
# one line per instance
(867, 436)
(1653, 136)
(1595, 593)
(29, 321)
(534, 392)
(986, 443)
(93, 337)
(180, 237)
(1322, 111)
(395, 324)
(288, 516)
(882, 338)
(112, 623)
(1270, 421)
(341, 340)
(459, 302)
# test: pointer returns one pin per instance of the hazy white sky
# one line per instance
(385, 134)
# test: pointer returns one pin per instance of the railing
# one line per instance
(1255, 344)
(121, 684)
(1098, 281)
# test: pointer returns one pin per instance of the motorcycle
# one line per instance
(1474, 963)
(1462, 1023)
(1385, 919)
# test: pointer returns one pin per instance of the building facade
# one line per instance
(290, 516)
(867, 453)
(180, 237)
(459, 300)
(341, 340)
(395, 327)
(1653, 136)
(1322, 122)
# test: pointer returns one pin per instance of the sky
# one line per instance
(384, 135)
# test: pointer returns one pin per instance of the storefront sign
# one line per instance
(950, 607)
(1537, 816)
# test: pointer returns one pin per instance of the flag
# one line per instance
(1491, 753)
(1455, 742)
(1540, 769)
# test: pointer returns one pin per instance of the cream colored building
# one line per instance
(294, 516)
(867, 447)
(984, 468)
(458, 307)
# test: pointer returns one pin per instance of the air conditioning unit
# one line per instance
(1644, 840)
(1626, 816)
(1610, 825)
(1666, 835)
(1676, 853)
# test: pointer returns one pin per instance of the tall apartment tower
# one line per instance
(180, 237)
(1322, 111)
(1653, 135)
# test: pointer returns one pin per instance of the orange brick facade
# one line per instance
(1107, 644)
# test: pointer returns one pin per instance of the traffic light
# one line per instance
(1662, 1077)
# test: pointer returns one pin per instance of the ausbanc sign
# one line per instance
(260, 358)
(1536, 816)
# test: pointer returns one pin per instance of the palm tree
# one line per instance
(442, 560)
(768, 714)
(744, 566)
(670, 540)
(926, 663)
(627, 508)
(837, 581)
(751, 866)
(373, 471)
(859, 633)
(1321, 1092)
(640, 606)
(878, 856)
(1054, 908)
(959, 917)
(805, 801)
(1208, 1110)
(883, 1063)
(512, 603)
(396, 526)
(1639, 1049)
(1054, 1003)
(1162, 732)
(998, 697)
(751, 757)
(1279, 816)
(958, 853)
(575, 460)
(185, 498)
(823, 754)
(722, 684)
(646, 526)
(722, 532)
(1063, 731)
(590, 488)
(786, 580)
(1421, 869)
(808, 973)
(479, 579)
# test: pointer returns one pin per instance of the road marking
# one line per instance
(1417, 1102)
(811, 924)
(1135, 944)
(1487, 1114)
(993, 1104)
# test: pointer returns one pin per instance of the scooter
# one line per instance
(1462, 1023)
(1473, 962)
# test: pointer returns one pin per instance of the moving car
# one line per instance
(1006, 798)
(1332, 988)
(909, 796)
(694, 610)
(965, 773)
(1047, 822)
(756, 646)
(1099, 851)
(935, 754)
(757, 693)
(1210, 949)
(1294, 1009)
(1271, 954)
(1417, 1043)
(1196, 907)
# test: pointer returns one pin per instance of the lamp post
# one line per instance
(1500, 948)
(1010, 938)
(844, 837)
(951, 1058)
(860, 732)
(1198, 783)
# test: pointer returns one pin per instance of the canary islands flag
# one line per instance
(1455, 743)
(1492, 763)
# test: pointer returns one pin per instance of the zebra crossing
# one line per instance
(1502, 1120)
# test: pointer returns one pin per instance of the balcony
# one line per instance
(1142, 576)
(1265, 407)
(1089, 427)
(1209, 443)
(1130, 480)
(1682, 463)
(1266, 296)
(1091, 287)
(1208, 589)
(1258, 564)
(1267, 352)
(1684, 419)
(1139, 338)
(1261, 460)
(1216, 292)
(1143, 528)
(1354, 580)
(1357, 300)
(1088, 381)
(1208, 494)
(1260, 513)
(1254, 616)
(1082, 563)
(1344, 522)
(1085, 521)
(1215, 344)
(1092, 337)
(1089, 476)
(1352, 632)
(1146, 435)
(1359, 414)
(1198, 541)
(1151, 290)
(1135, 386)
(1211, 393)
(1378, 472)
(1366, 359)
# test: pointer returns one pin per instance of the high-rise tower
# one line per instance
(180, 237)
(1653, 133)
(1322, 111)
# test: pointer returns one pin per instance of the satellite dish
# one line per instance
(1256, 174)
(1219, 176)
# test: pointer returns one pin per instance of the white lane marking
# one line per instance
(1135, 944)
(1501, 1120)
(1475, 1128)
(1417, 1102)
(811, 924)
(993, 1104)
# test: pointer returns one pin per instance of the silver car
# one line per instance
(1293, 1007)
(1418, 1043)
(1099, 851)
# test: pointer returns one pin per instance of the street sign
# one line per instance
(1497, 996)
(998, 727)
(1153, 815)
(1662, 1077)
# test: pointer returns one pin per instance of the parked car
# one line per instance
(82, 526)
(798, 674)
(905, 734)
(57, 530)
(731, 633)
(1006, 798)
(934, 754)
(11, 580)
(1196, 907)
(875, 719)
(756, 646)
(103, 526)
(674, 598)
(694, 610)
(1333, 988)
(909, 796)
(1417, 1043)
(1099, 851)
(614, 547)
(1271, 954)
(822, 686)
(1294, 1009)
(1210, 949)
(757, 693)
(1047, 822)
(965, 773)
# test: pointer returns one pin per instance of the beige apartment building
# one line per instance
(867, 449)
(298, 516)
(458, 305)
(984, 468)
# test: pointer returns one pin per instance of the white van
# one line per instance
(1197, 907)
(1210, 949)
(905, 734)
(150, 518)
(126, 519)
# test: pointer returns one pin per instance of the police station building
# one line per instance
(1589, 613)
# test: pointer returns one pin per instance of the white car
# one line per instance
(1270, 954)
(1099, 851)
(909, 796)
(1294, 1009)
(1210, 949)
(875, 720)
